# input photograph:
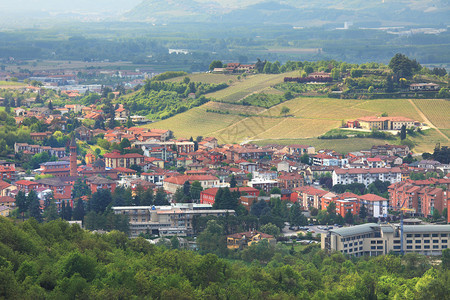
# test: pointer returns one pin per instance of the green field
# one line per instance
(11, 85)
(308, 118)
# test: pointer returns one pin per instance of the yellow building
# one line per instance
(244, 239)
(385, 123)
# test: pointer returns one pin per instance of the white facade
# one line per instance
(366, 176)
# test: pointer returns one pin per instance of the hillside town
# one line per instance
(184, 179)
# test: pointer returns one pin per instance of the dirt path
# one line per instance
(426, 120)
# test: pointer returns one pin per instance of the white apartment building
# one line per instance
(366, 176)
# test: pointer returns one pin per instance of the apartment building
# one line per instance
(421, 195)
(380, 239)
(366, 176)
(175, 219)
(116, 160)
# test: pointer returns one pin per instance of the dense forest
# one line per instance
(57, 261)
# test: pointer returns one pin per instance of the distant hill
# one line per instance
(294, 12)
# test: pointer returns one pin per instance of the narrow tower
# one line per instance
(73, 157)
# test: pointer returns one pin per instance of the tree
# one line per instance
(215, 64)
(196, 189)
(80, 189)
(50, 105)
(285, 110)
(363, 212)
(233, 181)
(402, 66)
(161, 198)
(403, 132)
(371, 89)
(275, 190)
(50, 211)
(129, 122)
(271, 229)
(22, 203)
(78, 212)
(446, 259)
(348, 218)
(211, 240)
(34, 206)
(304, 159)
(331, 208)
(124, 143)
(436, 214)
(296, 218)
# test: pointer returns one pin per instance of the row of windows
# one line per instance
(426, 235)
(426, 241)
(419, 247)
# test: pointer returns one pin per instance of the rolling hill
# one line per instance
(309, 117)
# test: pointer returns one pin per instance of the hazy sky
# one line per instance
(96, 6)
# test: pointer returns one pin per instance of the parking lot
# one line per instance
(315, 229)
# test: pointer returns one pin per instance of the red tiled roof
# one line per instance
(125, 170)
(25, 182)
(372, 197)
(183, 178)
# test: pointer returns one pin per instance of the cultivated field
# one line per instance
(436, 110)
(11, 85)
(252, 84)
(308, 118)
(206, 78)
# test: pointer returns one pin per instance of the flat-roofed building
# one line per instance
(175, 219)
(366, 176)
(380, 239)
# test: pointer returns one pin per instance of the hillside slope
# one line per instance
(309, 117)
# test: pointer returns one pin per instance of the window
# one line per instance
(418, 247)
(426, 247)
(444, 241)
(396, 241)
(397, 247)
(444, 235)
(373, 247)
(435, 246)
(409, 235)
(444, 246)
(435, 241)
(408, 247)
(426, 235)
(435, 235)
(373, 242)
(379, 247)
(417, 235)
(426, 241)
(409, 241)
(418, 241)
